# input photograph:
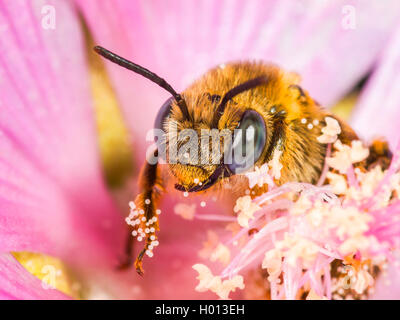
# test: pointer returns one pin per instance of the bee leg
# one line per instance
(145, 217)
(379, 154)
(147, 224)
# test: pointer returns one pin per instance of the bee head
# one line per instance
(223, 133)
(234, 117)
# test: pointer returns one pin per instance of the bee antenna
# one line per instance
(250, 84)
(145, 73)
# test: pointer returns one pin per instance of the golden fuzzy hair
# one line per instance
(293, 120)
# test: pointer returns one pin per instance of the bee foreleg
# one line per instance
(145, 223)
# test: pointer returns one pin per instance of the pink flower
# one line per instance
(259, 176)
(245, 209)
(345, 155)
(53, 199)
(330, 132)
(186, 211)
(52, 196)
(214, 283)
(361, 232)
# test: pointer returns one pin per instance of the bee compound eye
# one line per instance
(163, 114)
(159, 123)
(249, 140)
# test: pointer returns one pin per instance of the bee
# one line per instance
(283, 119)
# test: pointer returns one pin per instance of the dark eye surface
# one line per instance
(163, 114)
(248, 142)
(161, 117)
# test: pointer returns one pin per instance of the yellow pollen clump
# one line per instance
(275, 165)
(318, 213)
(348, 222)
(345, 155)
(259, 176)
(356, 243)
(370, 180)
(363, 281)
(295, 247)
(221, 254)
(358, 152)
(207, 281)
(273, 263)
(302, 205)
(246, 209)
(330, 131)
(209, 245)
(186, 211)
(337, 182)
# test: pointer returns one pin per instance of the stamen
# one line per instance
(294, 219)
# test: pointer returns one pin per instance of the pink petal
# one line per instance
(52, 196)
(180, 40)
(378, 111)
(17, 283)
(388, 286)
(169, 274)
